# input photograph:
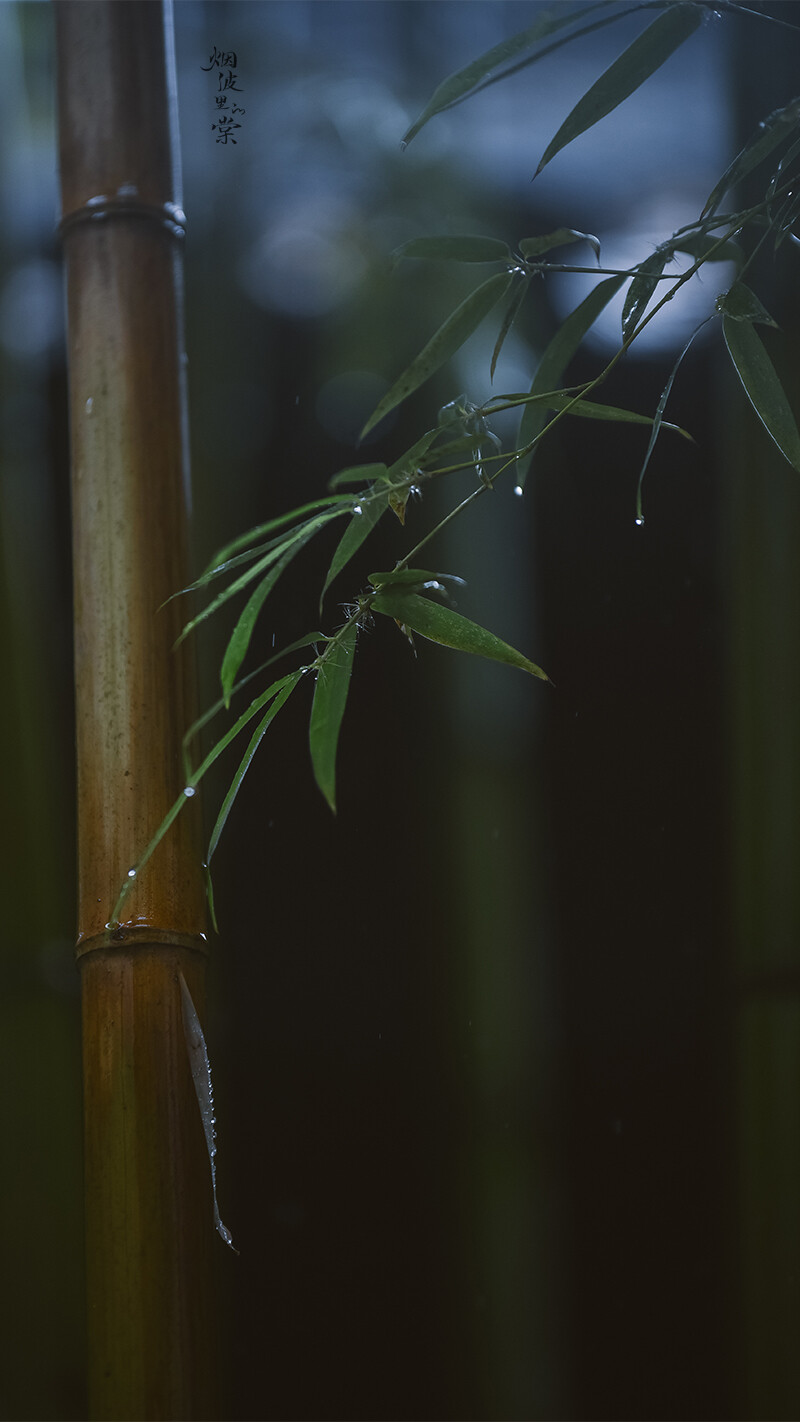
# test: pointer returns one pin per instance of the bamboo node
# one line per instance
(167, 215)
(125, 937)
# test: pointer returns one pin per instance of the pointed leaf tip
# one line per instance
(641, 59)
(555, 360)
(449, 338)
(450, 629)
(532, 247)
(762, 386)
(460, 84)
(330, 699)
(742, 304)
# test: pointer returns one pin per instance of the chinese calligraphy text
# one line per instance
(225, 64)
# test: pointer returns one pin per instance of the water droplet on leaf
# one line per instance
(189, 791)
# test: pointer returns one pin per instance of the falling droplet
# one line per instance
(639, 520)
(518, 490)
(132, 873)
(89, 404)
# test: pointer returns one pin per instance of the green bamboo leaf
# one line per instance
(512, 311)
(411, 578)
(701, 245)
(786, 219)
(626, 74)
(217, 570)
(406, 470)
(443, 454)
(454, 249)
(254, 535)
(359, 474)
(330, 698)
(589, 410)
(742, 304)
(535, 246)
(239, 641)
(787, 157)
(193, 781)
(450, 629)
(310, 640)
(458, 85)
(372, 508)
(295, 540)
(210, 897)
(771, 132)
(409, 464)
(658, 421)
(256, 705)
(585, 409)
(449, 338)
(555, 360)
(273, 556)
(641, 289)
(762, 386)
(244, 764)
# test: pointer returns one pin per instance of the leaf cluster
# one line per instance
(462, 439)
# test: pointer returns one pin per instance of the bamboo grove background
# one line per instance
(507, 1057)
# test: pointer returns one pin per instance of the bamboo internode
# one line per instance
(148, 1211)
(121, 216)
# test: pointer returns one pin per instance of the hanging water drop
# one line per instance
(518, 490)
(639, 520)
(89, 404)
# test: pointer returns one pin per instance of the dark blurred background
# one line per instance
(507, 1056)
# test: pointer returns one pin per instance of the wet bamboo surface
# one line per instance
(148, 1209)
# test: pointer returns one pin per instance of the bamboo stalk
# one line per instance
(148, 1211)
